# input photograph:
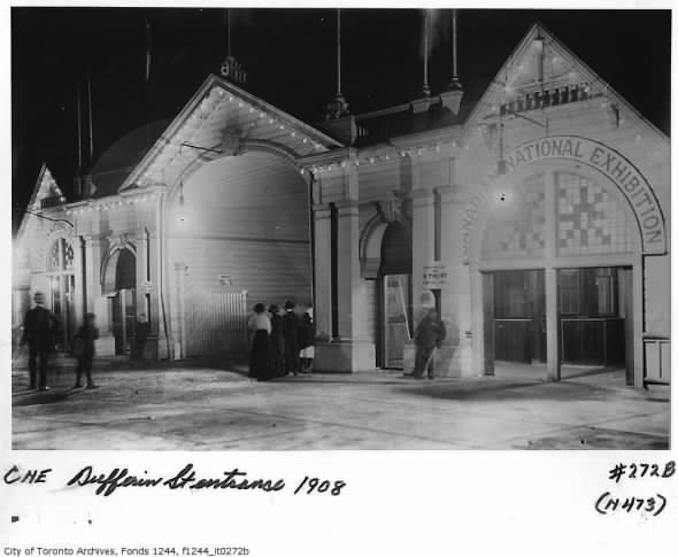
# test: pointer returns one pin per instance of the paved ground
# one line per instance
(192, 407)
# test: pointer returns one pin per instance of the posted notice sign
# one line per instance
(436, 275)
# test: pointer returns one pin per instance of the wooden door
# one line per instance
(519, 316)
(396, 325)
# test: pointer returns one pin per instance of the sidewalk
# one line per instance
(190, 407)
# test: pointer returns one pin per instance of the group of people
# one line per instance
(41, 330)
(282, 341)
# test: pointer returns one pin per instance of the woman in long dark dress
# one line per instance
(260, 325)
(277, 357)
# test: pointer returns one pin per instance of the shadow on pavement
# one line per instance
(31, 398)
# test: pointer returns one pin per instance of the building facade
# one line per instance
(537, 220)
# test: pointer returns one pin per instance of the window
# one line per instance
(60, 256)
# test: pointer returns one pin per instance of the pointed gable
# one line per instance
(220, 120)
(46, 192)
(540, 73)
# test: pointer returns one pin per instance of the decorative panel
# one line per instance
(590, 220)
(517, 226)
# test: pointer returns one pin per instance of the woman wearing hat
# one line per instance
(277, 356)
(260, 325)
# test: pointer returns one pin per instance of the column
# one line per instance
(551, 279)
(423, 253)
(348, 270)
(80, 293)
(180, 296)
(141, 243)
(158, 314)
(456, 306)
(94, 300)
(351, 350)
(322, 261)
(423, 229)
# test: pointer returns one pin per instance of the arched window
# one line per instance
(60, 256)
(61, 277)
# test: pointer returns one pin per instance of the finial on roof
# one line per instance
(231, 69)
(455, 82)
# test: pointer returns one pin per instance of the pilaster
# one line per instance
(322, 259)
(423, 230)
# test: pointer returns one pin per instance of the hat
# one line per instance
(289, 304)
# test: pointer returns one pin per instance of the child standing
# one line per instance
(84, 350)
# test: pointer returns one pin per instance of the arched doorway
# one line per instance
(557, 259)
(239, 230)
(120, 282)
(395, 285)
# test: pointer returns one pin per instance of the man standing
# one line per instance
(291, 335)
(141, 332)
(40, 327)
(427, 337)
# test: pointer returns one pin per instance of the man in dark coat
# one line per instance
(40, 328)
(291, 334)
(142, 329)
(427, 337)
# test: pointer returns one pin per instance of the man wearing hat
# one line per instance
(40, 326)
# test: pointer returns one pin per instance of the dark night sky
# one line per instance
(289, 56)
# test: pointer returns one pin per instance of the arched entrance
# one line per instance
(558, 256)
(239, 234)
(120, 281)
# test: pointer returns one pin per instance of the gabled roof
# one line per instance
(222, 118)
(523, 74)
(46, 193)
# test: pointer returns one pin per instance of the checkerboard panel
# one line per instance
(519, 232)
(589, 218)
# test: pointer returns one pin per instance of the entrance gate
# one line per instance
(594, 312)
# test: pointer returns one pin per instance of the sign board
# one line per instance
(436, 275)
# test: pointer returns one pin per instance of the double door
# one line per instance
(62, 294)
(594, 325)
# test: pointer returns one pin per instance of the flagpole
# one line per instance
(426, 90)
(148, 80)
(91, 126)
(79, 123)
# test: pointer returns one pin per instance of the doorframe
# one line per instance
(483, 298)
(551, 262)
(381, 309)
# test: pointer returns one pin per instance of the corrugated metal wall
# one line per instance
(216, 323)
